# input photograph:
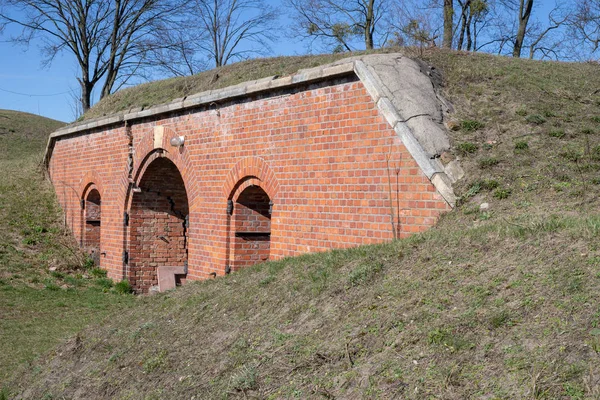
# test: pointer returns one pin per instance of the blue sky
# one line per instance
(26, 85)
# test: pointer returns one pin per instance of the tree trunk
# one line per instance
(448, 24)
(463, 26)
(524, 14)
(469, 38)
(111, 77)
(86, 94)
(369, 25)
(475, 35)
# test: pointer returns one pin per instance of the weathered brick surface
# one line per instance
(337, 175)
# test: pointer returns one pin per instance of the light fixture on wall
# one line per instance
(178, 141)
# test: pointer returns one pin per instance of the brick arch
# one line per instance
(250, 171)
(90, 180)
(158, 223)
(179, 157)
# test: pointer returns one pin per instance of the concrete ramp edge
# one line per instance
(408, 102)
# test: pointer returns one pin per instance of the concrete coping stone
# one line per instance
(217, 95)
(431, 167)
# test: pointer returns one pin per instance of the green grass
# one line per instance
(500, 303)
(436, 312)
(39, 308)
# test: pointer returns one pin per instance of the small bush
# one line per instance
(596, 119)
(490, 184)
(446, 338)
(500, 318)
(246, 379)
(73, 281)
(466, 148)
(488, 162)
(561, 187)
(521, 112)
(104, 283)
(595, 153)
(267, 280)
(571, 155)
(98, 272)
(470, 125)
(521, 145)
(123, 287)
(57, 274)
(51, 286)
(535, 119)
(557, 133)
(364, 272)
(502, 193)
(548, 114)
(155, 362)
(477, 186)
(437, 336)
(88, 263)
(587, 131)
(474, 189)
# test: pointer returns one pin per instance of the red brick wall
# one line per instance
(323, 154)
(98, 159)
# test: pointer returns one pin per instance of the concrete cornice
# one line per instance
(208, 97)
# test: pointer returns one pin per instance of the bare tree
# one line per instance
(106, 37)
(414, 23)
(176, 54)
(557, 18)
(232, 26)
(585, 24)
(215, 33)
(339, 23)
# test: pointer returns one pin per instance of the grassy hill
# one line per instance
(496, 302)
(38, 307)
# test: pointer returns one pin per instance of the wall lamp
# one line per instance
(178, 141)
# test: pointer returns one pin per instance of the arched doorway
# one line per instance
(92, 228)
(250, 228)
(158, 225)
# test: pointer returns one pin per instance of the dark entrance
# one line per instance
(158, 224)
(92, 225)
(251, 228)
